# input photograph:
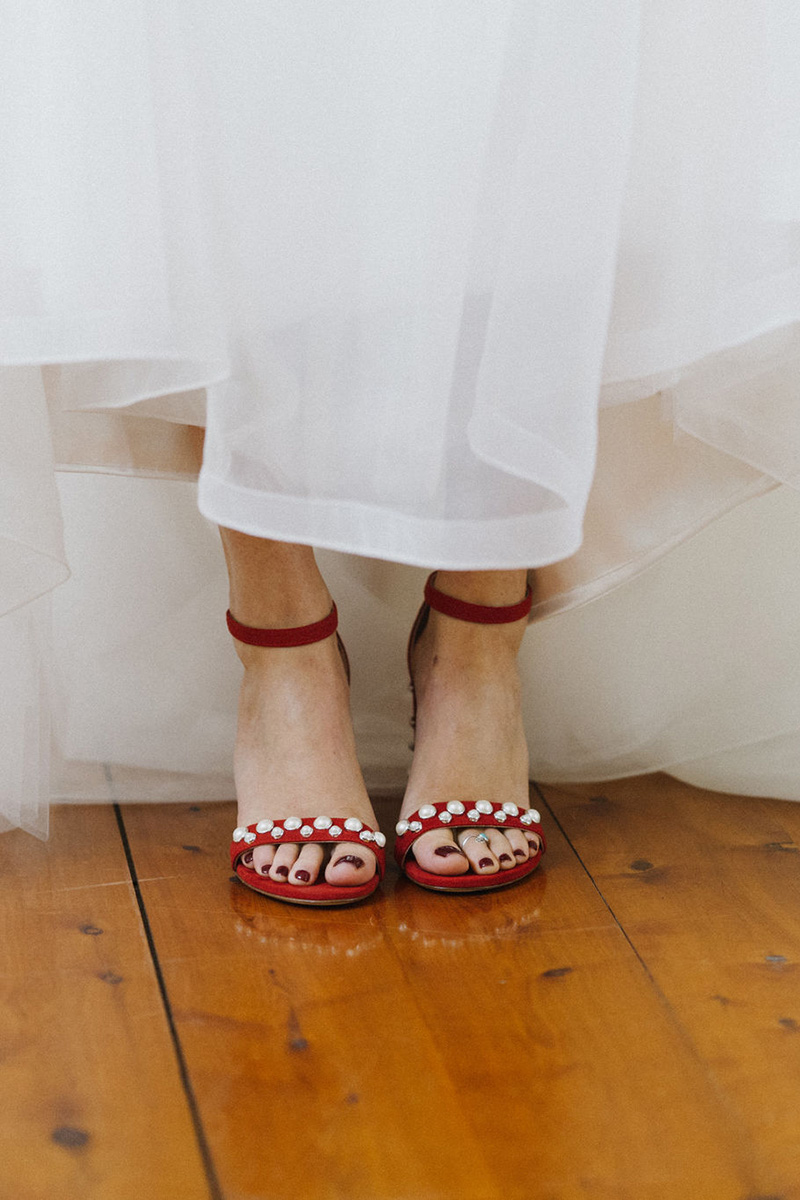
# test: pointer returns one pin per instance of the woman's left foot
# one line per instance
(469, 742)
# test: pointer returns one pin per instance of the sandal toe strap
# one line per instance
(308, 829)
(452, 814)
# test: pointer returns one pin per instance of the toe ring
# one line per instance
(479, 837)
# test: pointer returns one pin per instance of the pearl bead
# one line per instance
(239, 833)
(367, 835)
(335, 830)
(510, 808)
(380, 839)
(264, 826)
(401, 827)
(455, 806)
(499, 815)
(445, 818)
(249, 837)
(277, 831)
(483, 806)
(427, 811)
(474, 815)
(306, 831)
(415, 826)
(292, 823)
(322, 823)
(536, 815)
(353, 824)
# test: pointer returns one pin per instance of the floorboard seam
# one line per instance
(593, 882)
(215, 1190)
(726, 1102)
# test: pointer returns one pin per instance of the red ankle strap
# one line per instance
(299, 635)
(481, 614)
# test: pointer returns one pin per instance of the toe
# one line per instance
(518, 843)
(282, 863)
(479, 852)
(437, 852)
(534, 842)
(351, 864)
(262, 858)
(501, 848)
(307, 865)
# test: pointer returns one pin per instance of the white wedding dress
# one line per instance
(466, 283)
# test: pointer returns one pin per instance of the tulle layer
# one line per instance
(473, 283)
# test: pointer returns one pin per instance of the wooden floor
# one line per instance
(626, 1024)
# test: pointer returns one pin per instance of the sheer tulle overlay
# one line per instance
(467, 283)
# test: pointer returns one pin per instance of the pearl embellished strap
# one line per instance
(453, 814)
(307, 829)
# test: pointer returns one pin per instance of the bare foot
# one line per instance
(469, 741)
(295, 756)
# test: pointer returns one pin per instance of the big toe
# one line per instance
(351, 864)
(437, 852)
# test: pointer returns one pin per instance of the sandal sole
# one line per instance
(421, 878)
(328, 902)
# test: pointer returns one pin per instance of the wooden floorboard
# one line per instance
(707, 888)
(427, 1047)
(91, 1102)
(625, 1025)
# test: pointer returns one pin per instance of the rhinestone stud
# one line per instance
(474, 815)
(307, 831)
(455, 806)
(238, 833)
(353, 824)
(264, 826)
(484, 806)
(401, 827)
(292, 823)
(249, 838)
(427, 811)
(322, 823)
(445, 817)
(335, 830)
(380, 839)
(511, 809)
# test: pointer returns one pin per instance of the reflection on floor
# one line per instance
(625, 1024)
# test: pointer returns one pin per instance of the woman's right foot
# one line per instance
(295, 756)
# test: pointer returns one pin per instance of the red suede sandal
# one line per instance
(454, 814)
(330, 830)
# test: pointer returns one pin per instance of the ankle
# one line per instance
(468, 646)
(492, 588)
(285, 610)
(317, 660)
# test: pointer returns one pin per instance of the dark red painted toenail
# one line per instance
(350, 858)
(443, 851)
(520, 853)
(485, 862)
(281, 870)
(247, 858)
(304, 875)
(505, 858)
